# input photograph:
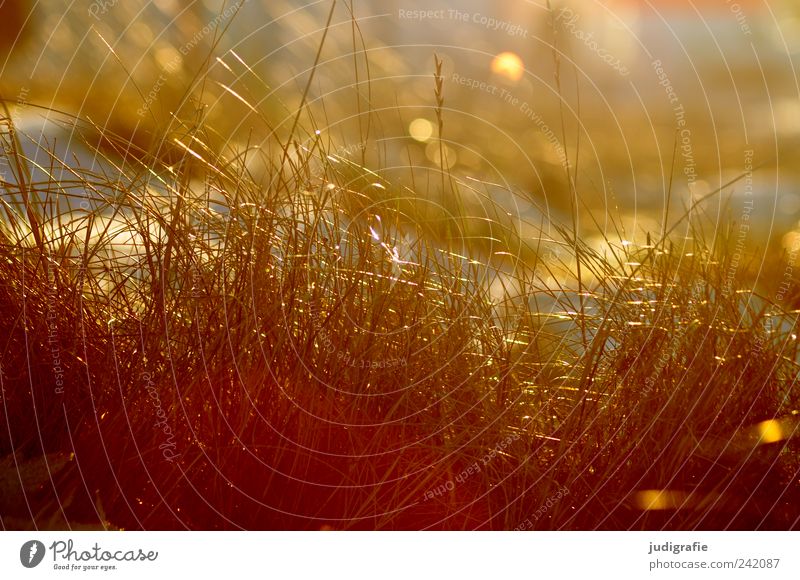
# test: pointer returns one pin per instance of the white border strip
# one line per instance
(406, 556)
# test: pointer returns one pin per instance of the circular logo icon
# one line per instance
(31, 553)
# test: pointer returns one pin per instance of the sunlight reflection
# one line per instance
(509, 65)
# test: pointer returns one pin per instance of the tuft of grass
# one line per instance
(300, 356)
(187, 345)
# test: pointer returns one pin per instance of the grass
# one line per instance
(197, 348)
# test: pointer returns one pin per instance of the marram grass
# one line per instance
(187, 346)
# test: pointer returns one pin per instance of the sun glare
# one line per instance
(509, 65)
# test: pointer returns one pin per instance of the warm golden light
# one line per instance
(659, 499)
(435, 154)
(316, 268)
(420, 130)
(770, 431)
(509, 65)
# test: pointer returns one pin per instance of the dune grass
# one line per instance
(188, 346)
(200, 350)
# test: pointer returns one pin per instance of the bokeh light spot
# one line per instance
(420, 130)
(433, 153)
(770, 431)
(509, 65)
(659, 499)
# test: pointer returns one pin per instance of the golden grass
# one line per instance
(193, 347)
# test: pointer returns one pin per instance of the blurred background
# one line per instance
(626, 99)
